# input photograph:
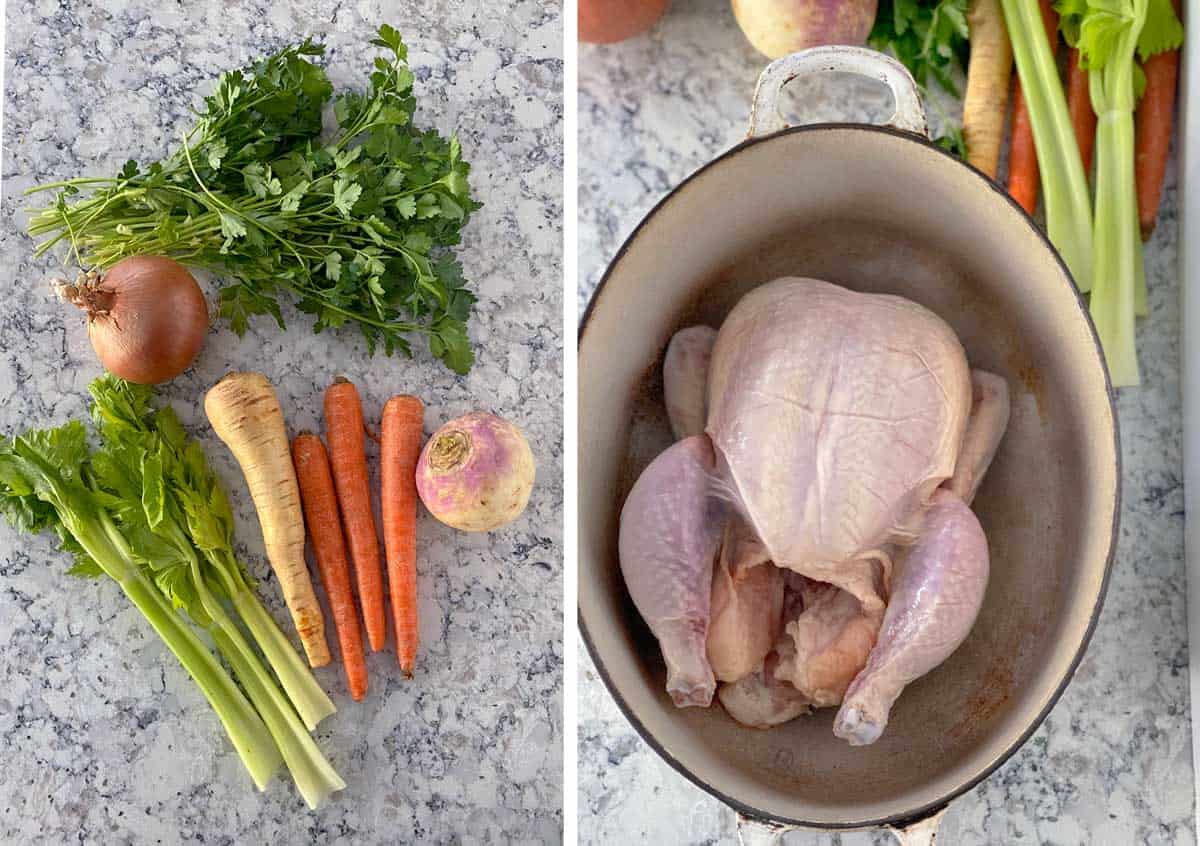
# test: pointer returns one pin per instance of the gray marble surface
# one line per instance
(104, 738)
(1112, 764)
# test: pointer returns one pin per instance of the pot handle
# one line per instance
(764, 110)
(922, 832)
(755, 831)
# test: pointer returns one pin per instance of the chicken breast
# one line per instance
(834, 415)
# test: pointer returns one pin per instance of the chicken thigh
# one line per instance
(747, 593)
(938, 590)
(670, 528)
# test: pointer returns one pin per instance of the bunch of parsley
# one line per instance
(930, 38)
(358, 228)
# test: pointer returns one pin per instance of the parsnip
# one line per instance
(986, 99)
(245, 414)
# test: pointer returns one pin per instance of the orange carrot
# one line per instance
(1079, 104)
(329, 548)
(1022, 156)
(1153, 133)
(403, 421)
(348, 454)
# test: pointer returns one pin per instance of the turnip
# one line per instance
(476, 473)
(779, 27)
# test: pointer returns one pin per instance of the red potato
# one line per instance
(779, 27)
(610, 21)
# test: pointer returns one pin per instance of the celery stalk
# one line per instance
(1118, 243)
(246, 729)
(1064, 184)
(1140, 293)
(310, 701)
(314, 776)
(44, 485)
(1115, 287)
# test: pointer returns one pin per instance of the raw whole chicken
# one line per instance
(843, 439)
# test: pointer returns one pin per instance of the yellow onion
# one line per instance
(146, 317)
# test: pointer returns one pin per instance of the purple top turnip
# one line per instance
(779, 27)
(476, 473)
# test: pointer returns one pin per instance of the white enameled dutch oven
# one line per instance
(873, 208)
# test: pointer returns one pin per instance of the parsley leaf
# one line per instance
(930, 38)
(345, 195)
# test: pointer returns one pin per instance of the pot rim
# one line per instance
(939, 803)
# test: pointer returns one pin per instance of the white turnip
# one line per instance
(476, 473)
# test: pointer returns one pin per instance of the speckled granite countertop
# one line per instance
(1112, 764)
(104, 738)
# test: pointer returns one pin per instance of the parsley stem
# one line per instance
(69, 183)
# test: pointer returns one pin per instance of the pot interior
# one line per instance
(872, 210)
